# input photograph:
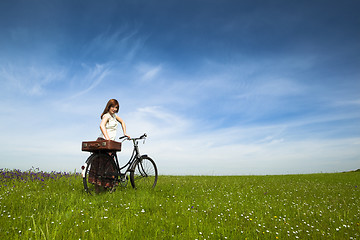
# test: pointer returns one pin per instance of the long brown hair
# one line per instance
(111, 103)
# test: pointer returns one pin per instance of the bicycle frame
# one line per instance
(135, 155)
(137, 167)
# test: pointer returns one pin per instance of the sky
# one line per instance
(220, 87)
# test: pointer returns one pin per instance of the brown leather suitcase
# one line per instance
(101, 145)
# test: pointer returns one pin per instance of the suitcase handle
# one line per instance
(95, 145)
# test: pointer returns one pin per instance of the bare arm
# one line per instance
(104, 120)
(123, 126)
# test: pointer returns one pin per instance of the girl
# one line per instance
(108, 126)
(109, 121)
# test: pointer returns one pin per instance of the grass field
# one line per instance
(39, 205)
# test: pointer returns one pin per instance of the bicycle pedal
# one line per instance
(124, 179)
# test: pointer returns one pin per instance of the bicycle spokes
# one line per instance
(144, 173)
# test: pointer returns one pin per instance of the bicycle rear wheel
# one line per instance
(100, 173)
(144, 174)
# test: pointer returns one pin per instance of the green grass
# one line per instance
(54, 206)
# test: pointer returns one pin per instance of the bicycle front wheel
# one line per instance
(100, 173)
(144, 174)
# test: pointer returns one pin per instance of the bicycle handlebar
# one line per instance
(139, 138)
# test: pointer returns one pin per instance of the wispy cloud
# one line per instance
(156, 120)
(30, 80)
(120, 45)
(176, 143)
(352, 102)
(148, 72)
(93, 77)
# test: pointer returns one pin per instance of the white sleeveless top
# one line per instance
(111, 126)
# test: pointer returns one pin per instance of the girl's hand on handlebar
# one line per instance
(125, 136)
(129, 138)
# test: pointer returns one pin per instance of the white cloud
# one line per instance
(156, 121)
(225, 152)
(93, 77)
(148, 72)
(30, 80)
(120, 45)
(278, 88)
(351, 102)
(179, 148)
(179, 142)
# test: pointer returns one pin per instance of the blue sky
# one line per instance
(221, 87)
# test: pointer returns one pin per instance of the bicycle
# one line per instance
(141, 169)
